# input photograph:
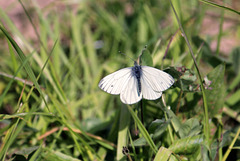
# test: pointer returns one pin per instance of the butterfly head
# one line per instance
(136, 69)
(136, 63)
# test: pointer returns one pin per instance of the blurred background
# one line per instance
(71, 45)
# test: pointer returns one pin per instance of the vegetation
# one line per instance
(52, 109)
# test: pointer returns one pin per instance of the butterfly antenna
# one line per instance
(126, 55)
(139, 57)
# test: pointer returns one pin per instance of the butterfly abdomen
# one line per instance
(137, 72)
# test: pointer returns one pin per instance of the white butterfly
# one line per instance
(137, 82)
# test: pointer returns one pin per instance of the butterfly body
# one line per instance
(137, 82)
(136, 72)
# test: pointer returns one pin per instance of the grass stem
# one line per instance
(206, 125)
(231, 145)
(220, 32)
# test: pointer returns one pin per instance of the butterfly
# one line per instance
(137, 82)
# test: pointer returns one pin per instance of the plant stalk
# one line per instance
(206, 127)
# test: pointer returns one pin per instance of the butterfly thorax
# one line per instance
(137, 72)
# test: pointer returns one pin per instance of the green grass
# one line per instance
(52, 109)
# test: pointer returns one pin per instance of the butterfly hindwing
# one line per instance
(130, 93)
(148, 92)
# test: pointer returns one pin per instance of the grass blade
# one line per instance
(163, 154)
(143, 130)
(26, 66)
(206, 125)
(220, 6)
(122, 133)
(231, 145)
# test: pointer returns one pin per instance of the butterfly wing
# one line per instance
(148, 92)
(114, 83)
(125, 83)
(130, 93)
(154, 81)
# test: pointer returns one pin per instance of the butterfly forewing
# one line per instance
(115, 82)
(158, 80)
